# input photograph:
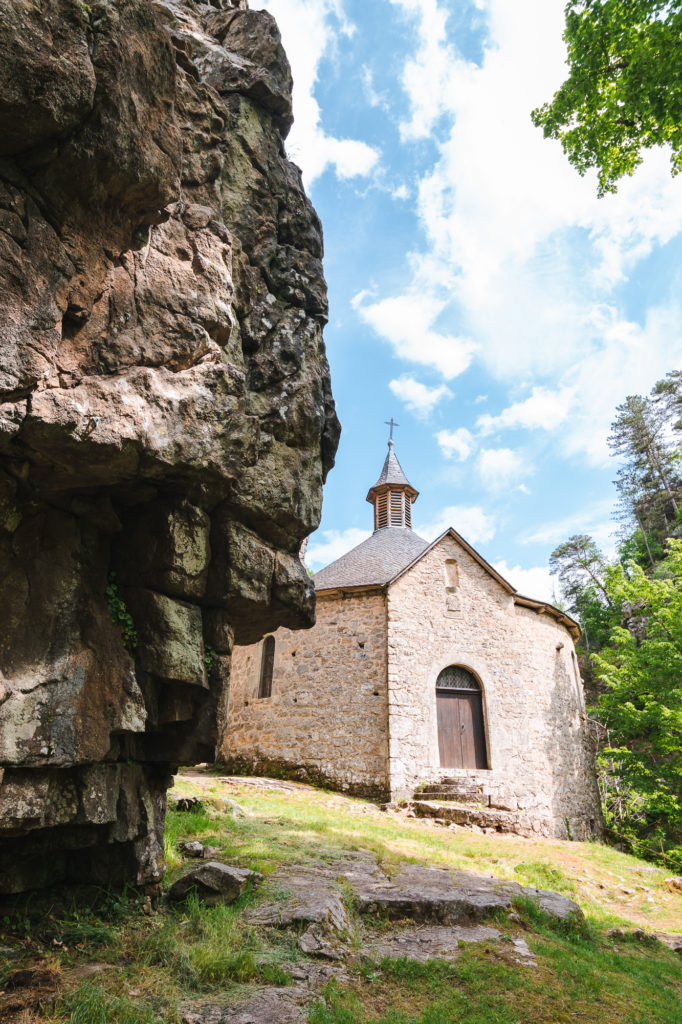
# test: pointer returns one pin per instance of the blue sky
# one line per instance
(479, 291)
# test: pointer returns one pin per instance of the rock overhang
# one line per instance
(163, 290)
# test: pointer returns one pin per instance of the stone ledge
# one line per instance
(459, 814)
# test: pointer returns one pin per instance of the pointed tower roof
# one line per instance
(392, 495)
(392, 546)
(392, 474)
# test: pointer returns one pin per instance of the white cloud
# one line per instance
(544, 409)
(595, 521)
(328, 545)
(519, 252)
(629, 360)
(427, 77)
(408, 323)
(310, 30)
(535, 582)
(358, 299)
(501, 469)
(471, 521)
(419, 398)
(374, 98)
(456, 443)
(401, 192)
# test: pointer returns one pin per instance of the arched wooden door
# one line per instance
(459, 711)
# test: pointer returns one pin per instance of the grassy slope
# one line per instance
(159, 961)
(297, 824)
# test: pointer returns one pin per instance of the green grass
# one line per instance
(205, 948)
(541, 875)
(310, 826)
(192, 951)
(92, 1004)
(576, 980)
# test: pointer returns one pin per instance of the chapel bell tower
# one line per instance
(392, 495)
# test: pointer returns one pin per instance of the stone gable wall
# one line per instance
(327, 717)
(448, 610)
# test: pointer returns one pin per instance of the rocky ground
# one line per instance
(349, 910)
(288, 904)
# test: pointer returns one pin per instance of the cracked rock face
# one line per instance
(166, 419)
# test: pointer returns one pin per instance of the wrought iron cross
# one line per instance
(391, 423)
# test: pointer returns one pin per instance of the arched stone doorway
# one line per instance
(459, 712)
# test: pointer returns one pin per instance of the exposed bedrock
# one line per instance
(166, 419)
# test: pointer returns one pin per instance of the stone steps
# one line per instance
(468, 815)
(450, 796)
(462, 791)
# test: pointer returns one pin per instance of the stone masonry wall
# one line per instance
(326, 718)
(540, 762)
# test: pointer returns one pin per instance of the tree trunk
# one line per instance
(659, 468)
(646, 540)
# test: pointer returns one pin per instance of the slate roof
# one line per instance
(392, 473)
(375, 561)
(390, 552)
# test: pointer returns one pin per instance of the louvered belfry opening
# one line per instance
(381, 511)
(392, 508)
(396, 504)
(392, 496)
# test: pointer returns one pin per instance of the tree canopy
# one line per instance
(624, 90)
(641, 707)
(630, 611)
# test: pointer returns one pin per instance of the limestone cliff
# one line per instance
(166, 420)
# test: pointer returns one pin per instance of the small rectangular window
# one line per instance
(267, 666)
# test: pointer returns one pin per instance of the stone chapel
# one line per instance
(426, 673)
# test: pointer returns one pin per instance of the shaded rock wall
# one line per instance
(166, 420)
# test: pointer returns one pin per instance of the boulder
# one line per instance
(214, 882)
(192, 849)
(451, 897)
(561, 908)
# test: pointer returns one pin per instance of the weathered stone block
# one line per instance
(170, 637)
(252, 62)
(214, 882)
(255, 583)
(166, 548)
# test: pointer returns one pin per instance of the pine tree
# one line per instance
(579, 565)
(667, 393)
(638, 434)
